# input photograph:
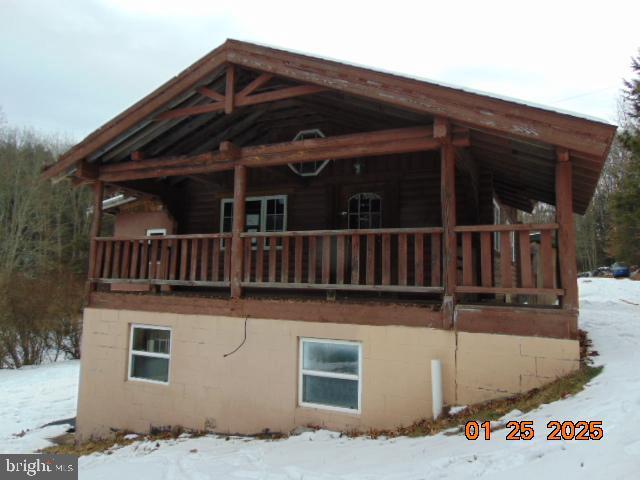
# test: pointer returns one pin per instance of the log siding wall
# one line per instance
(409, 186)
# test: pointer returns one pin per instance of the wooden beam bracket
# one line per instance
(229, 102)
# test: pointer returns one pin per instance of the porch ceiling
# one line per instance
(516, 142)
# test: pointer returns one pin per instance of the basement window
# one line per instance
(330, 374)
(150, 353)
(308, 169)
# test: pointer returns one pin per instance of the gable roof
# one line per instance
(488, 115)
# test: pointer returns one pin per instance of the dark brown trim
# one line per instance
(296, 310)
(528, 322)
(510, 290)
(521, 321)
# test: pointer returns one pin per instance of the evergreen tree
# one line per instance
(626, 201)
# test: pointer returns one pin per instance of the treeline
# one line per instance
(625, 202)
(610, 229)
(43, 252)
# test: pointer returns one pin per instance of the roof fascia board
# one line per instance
(140, 111)
(470, 109)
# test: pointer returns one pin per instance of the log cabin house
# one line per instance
(297, 239)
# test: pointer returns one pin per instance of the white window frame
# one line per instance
(320, 164)
(133, 352)
(263, 210)
(263, 214)
(156, 232)
(316, 373)
(359, 205)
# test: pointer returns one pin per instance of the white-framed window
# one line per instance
(308, 169)
(263, 214)
(149, 353)
(365, 210)
(330, 374)
(156, 232)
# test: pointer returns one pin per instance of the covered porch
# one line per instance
(395, 197)
(287, 176)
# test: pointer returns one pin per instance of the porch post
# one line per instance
(566, 231)
(448, 206)
(239, 194)
(96, 225)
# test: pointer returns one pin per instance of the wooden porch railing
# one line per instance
(399, 259)
(188, 260)
(391, 260)
(515, 278)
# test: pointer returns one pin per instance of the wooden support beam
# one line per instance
(239, 195)
(229, 91)
(238, 100)
(404, 140)
(230, 148)
(566, 231)
(87, 171)
(96, 225)
(189, 111)
(448, 205)
(441, 128)
(207, 92)
(260, 81)
(281, 94)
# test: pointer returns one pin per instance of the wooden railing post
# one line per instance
(96, 225)
(239, 194)
(448, 206)
(566, 231)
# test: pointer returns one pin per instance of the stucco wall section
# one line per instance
(136, 224)
(490, 366)
(257, 387)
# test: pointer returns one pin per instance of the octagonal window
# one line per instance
(308, 169)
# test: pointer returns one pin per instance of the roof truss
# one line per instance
(229, 100)
(466, 108)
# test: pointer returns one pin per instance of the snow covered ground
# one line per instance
(32, 397)
(610, 312)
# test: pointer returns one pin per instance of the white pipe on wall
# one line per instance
(436, 388)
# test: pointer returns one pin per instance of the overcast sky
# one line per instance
(68, 66)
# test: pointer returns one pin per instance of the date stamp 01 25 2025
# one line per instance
(524, 430)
